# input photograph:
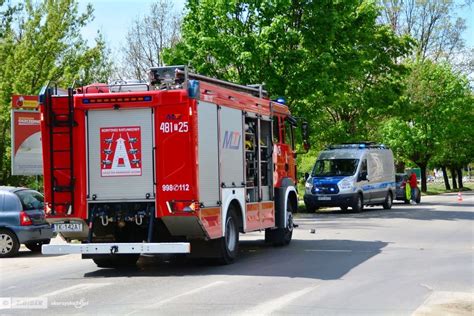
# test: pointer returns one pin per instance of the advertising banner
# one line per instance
(27, 158)
(27, 102)
(120, 151)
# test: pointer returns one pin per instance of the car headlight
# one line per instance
(346, 184)
(309, 185)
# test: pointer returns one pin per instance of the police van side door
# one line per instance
(363, 181)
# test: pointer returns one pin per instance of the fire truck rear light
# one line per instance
(25, 220)
(183, 206)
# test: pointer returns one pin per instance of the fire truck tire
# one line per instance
(117, 261)
(36, 246)
(229, 244)
(281, 236)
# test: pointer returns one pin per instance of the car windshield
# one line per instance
(335, 167)
(31, 200)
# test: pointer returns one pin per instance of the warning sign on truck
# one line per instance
(120, 151)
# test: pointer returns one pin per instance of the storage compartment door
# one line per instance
(120, 149)
(231, 148)
(208, 154)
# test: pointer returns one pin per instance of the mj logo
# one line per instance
(231, 140)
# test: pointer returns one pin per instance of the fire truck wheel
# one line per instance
(117, 261)
(229, 244)
(36, 246)
(282, 236)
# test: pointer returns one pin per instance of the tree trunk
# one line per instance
(423, 178)
(459, 172)
(446, 179)
(453, 177)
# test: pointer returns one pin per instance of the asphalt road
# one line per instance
(409, 260)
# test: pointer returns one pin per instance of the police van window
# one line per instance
(363, 168)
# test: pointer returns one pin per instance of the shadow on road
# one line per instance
(420, 212)
(316, 259)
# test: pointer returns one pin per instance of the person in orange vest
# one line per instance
(413, 184)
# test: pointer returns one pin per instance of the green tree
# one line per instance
(330, 59)
(457, 148)
(436, 101)
(44, 43)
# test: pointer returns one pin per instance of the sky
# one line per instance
(114, 17)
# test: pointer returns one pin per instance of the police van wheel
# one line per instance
(310, 208)
(281, 236)
(358, 204)
(229, 244)
(388, 201)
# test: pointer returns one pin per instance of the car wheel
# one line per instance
(358, 204)
(9, 244)
(36, 246)
(388, 201)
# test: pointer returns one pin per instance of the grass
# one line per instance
(439, 188)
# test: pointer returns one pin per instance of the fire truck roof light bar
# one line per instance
(117, 248)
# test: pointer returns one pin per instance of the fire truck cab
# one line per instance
(182, 164)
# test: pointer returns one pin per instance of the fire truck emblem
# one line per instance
(120, 149)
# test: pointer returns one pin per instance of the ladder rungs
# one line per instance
(56, 133)
(62, 189)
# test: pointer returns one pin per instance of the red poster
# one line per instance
(29, 102)
(27, 158)
(120, 151)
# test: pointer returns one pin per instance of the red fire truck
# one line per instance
(182, 164)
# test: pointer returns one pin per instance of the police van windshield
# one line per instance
(335, 167)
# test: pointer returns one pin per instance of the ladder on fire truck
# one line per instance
(60, 124)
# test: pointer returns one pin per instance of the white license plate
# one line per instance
(324, 198)
(67, 227)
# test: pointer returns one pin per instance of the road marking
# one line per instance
(77, 288)
(167, 300)
(273, 305)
